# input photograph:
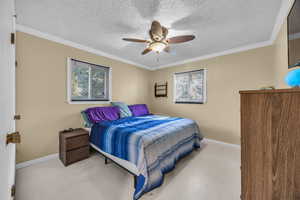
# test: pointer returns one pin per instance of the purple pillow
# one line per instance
(139, 109)
(98, 114)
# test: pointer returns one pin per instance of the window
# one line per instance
(190, 87)
(88, 82)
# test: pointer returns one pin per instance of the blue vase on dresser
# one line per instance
(293, 78)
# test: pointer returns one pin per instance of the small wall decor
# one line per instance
(161, 90)
(190, 87)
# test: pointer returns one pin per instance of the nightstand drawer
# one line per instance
(76, 142)
(77, 154)
(73, 145)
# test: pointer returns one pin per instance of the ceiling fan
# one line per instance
(158, 41)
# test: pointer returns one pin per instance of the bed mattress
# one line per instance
(152, 144)
(124, 163)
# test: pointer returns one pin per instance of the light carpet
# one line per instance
(212, 173)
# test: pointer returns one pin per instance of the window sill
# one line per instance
(88, 102)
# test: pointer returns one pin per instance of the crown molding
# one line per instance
(280, 19)
(53, 38)
(285, 8)
(213, 55)
(47, 36)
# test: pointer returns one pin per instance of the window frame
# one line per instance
(204, 70)
(69, 85)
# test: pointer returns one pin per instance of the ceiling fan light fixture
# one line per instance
(158, 46)
(159, 41)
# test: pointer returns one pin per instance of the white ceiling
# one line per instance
(219, 25)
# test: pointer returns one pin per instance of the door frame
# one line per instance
(8, 167)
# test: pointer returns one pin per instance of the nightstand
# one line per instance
(73, 145)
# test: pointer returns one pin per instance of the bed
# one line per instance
(128, 166)
(147, 146)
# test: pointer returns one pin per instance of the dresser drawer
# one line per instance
(76, 155)
(76, 142)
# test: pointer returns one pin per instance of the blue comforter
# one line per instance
(153, 143)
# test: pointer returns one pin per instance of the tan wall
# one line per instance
(41, 92)
(281, 57)
(219, 118)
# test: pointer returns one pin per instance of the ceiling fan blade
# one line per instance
(156, 31)
(156, 28)
(180, 39)
(165, 32)
(146, 51)
(135, 40)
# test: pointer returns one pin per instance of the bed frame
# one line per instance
(107, 159)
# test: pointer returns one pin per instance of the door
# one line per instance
(7, 98)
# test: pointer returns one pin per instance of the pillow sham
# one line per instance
(124, 110)
(139, 109)
(87, 123)
(98, 114)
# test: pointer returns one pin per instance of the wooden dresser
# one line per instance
(73, 145)
(270, 144)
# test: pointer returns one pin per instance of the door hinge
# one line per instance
(16, 63)
(17, 117)
(13, 138)
(13, 191)
(12, 38)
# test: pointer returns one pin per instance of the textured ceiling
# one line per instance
(219, 25)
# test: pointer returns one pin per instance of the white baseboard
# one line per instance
(55, 156)
(36, 161)
(223, 143)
